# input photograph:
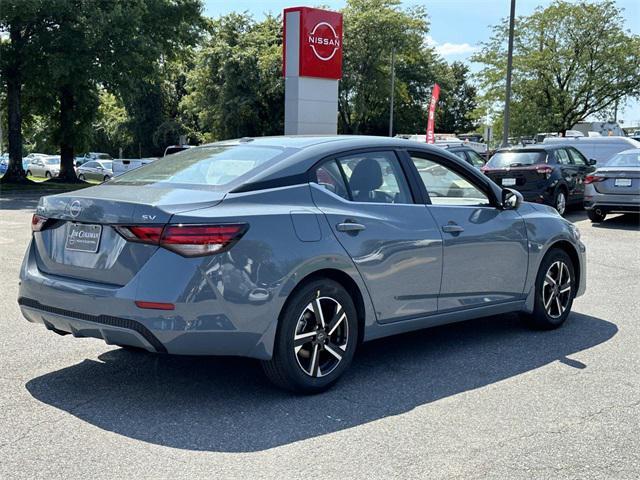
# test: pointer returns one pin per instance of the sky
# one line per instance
(457, 26)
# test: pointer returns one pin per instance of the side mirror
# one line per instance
(511, 199)
(592, 162)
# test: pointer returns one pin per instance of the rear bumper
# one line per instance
(113, 330)
(211, 324)
(611, 202)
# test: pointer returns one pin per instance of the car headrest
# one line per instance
(367, 176)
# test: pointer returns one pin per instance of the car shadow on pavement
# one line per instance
(227, 405)
(627, 221)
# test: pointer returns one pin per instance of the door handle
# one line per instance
(452, 228)
(348, 226)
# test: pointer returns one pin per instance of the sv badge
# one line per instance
(148, 217)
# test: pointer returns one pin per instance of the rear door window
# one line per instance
(562, 157)
(375, 177)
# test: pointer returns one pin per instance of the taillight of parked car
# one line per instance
(545, 170)
(186, 240)
(593, 179)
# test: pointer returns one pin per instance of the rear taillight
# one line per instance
(186, 240)
(38, 222)
(593, 179)
(544, 169)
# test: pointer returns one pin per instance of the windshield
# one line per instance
(625, 159)
(516, 159)
(207, 166)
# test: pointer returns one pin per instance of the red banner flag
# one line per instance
(431, 122)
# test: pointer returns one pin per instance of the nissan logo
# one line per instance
(75, 208)
(325, 44)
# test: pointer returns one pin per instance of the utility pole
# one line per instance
(507, 100)
(393, 90)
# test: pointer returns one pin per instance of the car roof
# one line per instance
(578, 140)
(304, 151)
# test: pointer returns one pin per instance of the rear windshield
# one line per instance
(213, 166)
(625, 159)
(516, 159)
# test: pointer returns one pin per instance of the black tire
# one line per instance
(286, 369)
(596, 216)
(47, 174)
(29, 174)
(550, 316)
(560, 199)
(81, 177)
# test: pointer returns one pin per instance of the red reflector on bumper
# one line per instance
(155, 305)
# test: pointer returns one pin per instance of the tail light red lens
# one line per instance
(141, 233)
(593, 179)
(544, 169)
(37, 222)
(187, 240)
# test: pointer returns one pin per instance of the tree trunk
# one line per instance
(15, 172)
(67, 106)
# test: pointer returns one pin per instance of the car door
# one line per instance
(37, 168)
(485, 248)
(582, 166)
(569, 172)
(397, 250)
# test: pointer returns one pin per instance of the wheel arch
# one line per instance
(346, 281)
(570, 250)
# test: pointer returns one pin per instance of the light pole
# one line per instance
(507, 100)
(393, 90)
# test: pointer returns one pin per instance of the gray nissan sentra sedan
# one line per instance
(294, 250)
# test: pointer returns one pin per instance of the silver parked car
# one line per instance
(101, 170)
(42, 166)
(614, 188)
(294, 250)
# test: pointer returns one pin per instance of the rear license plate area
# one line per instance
(82, 237)
(622, 182)
(508, 182)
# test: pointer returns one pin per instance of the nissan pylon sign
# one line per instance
(312, 68)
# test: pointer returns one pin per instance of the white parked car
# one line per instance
(600, 149)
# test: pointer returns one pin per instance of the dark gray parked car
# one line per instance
(294, 250)
(551, 174)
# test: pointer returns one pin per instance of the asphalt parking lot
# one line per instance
(481, 399)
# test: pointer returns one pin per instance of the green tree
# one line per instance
(456, 112)
(236, 88)
(373, 28)
(83, 45)
(20, 22)
(571, 60)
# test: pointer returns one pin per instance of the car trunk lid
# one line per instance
(618, 180)
(84, 221)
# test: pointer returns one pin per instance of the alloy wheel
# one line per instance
(321, 337)
(556, 289)
(561, 202)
